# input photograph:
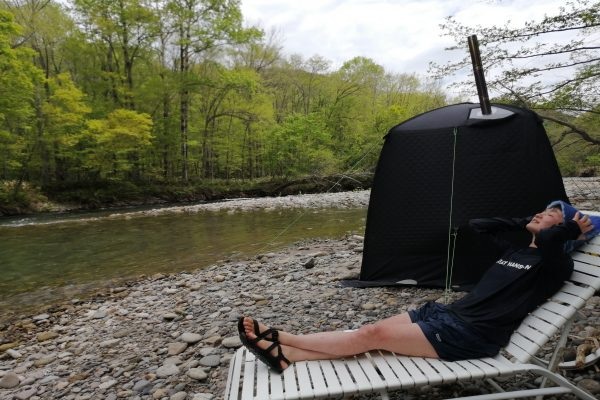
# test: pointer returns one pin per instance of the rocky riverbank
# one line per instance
(172, 336)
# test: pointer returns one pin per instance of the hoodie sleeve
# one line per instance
(551, 241)
(498, 224)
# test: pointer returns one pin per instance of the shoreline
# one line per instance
(171, 336)
(584, 192)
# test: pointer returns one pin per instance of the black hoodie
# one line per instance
(519, 281)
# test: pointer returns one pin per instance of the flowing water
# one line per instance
(50, 258)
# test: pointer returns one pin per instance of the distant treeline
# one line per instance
(178, 91)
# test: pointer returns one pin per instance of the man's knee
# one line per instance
(371, 333)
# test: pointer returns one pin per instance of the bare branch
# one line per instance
(574, 129)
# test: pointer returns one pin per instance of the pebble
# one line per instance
(127, 344)
(26, 394)
(43, 336)
(14, 353)
(232, 342)
(191, 338)
(176, 348)
(9, 381)
(210, 361)
(40, 317)
(197, 373)
(167, 370)
(178, 396)
(590, 385)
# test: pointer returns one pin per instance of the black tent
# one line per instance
(440, 169)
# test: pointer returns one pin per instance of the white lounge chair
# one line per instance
(381, 372)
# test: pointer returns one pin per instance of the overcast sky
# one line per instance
(401, 35)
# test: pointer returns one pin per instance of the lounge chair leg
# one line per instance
(562, 381)
(558, 350)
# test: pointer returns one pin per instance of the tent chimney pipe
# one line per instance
(484, 100)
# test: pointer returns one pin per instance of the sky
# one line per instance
(401, 35)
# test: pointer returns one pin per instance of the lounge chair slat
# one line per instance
(587, 259)
(372, 375)
(488, 370)
(399, 369)
(585, 279)
(232, 388)
(578, 290)
(528, 344)
(444, 372)
(537, 323)
(276, 386)
(385, 369)
(416, 374)
(362, 382)
(431, 374)
(592, 271)
(531, 333)
(248, 385)
(550, 317)
(565, 310)
(592, 248)
(458, 370)
(317, 378)
(346, 380)
(517, 352)
(289, 382)
(262, 381)
(567, 298)
(305, 388)
(331, 379)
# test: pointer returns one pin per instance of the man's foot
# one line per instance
(263, 343)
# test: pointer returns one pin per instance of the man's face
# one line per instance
(547, 218)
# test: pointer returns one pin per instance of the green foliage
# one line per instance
(301, 146)
(117, 142)
(126, 95)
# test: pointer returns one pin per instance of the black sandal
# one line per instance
(272, 335)
(264, 355)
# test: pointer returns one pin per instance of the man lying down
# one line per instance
(478, 325)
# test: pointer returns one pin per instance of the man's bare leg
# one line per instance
(396, 334)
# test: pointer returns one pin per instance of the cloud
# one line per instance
(401, 35)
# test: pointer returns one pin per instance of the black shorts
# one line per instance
(451, 337)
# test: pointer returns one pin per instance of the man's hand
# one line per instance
(585, 224)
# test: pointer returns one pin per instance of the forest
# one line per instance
(112, 98)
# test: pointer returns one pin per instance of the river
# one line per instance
(50, 258)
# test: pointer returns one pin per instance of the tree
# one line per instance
(114, 146)
(202, 26)
(64, 112)
(126, 27)
(19, 80)
(551, 65)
